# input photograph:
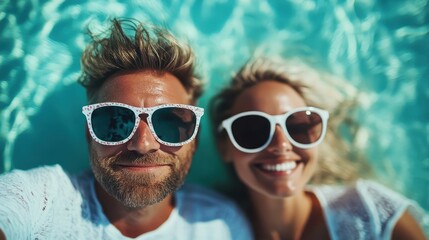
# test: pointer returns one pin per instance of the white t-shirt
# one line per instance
(366, 210)
(46, 203)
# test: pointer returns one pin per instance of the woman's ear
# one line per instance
(224, 149)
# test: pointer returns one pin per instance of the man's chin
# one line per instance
(133, 201)
(142, 194)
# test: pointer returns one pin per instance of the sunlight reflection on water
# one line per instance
(381, 47)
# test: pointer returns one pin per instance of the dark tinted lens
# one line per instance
(112, 123)
(174, 125)
(304, 127)
(251, 131)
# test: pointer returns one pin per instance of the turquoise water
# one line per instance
(381, 47)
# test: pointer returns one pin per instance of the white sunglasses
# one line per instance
(252, 131)
(112, 123)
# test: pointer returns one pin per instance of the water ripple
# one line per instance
(381, 47)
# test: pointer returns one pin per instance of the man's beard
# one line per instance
(140, 190)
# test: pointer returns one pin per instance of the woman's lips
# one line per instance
(281, 168)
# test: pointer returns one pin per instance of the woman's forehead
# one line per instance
(268, 96)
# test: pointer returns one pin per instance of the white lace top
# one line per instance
(364, 211)
(46, 203)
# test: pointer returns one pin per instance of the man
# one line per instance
(141, 128)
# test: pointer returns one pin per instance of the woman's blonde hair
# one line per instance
(131, 46)
(338, 160)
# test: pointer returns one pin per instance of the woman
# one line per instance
(270, 123)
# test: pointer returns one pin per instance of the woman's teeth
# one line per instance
(286, 166)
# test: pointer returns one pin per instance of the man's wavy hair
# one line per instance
(129, 45)
(339, 160)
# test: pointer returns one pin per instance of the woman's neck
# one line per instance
(281, 217)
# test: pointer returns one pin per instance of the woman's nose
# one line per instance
(279, 144)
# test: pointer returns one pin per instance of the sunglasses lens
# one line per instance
(112, 123)
(251, 131)
(173, 124)
(304, 127)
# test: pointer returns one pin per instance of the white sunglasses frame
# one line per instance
(274, 120)
(89, 109)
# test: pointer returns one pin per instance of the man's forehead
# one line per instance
(159, 87)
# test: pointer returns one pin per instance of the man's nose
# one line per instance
(280, 143)
(143, 140)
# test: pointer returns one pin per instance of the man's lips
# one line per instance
(141, 166)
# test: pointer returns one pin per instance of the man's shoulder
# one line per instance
(203, 195)
(195, 198)
(209, 211)
(35, 175)
(41, 181)
(44, 202)
(45, 180)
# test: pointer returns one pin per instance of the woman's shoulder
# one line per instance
(364, 206)
(366, 191)
(365, 198)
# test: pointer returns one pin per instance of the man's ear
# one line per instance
(87, 134)
(197, 138)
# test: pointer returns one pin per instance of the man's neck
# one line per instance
(132, 222)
